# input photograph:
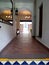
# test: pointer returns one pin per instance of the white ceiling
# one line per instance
(20, 4)
(17, 0)
(4, 0)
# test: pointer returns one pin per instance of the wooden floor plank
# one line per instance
(24, 46)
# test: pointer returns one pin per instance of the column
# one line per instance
(14, 17)
(34, 19)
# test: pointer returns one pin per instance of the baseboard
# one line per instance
(6, 45)
(42, 44)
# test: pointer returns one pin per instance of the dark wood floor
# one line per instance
(24, 46)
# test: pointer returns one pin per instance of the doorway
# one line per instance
(40, 20)
(25, 27)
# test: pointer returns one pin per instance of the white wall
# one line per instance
(45, 28)
(6, 35)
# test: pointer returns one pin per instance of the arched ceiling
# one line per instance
(22, 5)
(24, 12)
(6, 12)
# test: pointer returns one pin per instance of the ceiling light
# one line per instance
(27, 17)
(11, 22)
(9, 16)
(6, 16)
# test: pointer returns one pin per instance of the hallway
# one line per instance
(24, 46)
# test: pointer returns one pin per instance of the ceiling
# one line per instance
(17, 0)
(6, 14)
(4, 0)
(20, 4)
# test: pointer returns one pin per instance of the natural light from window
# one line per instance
(26, 26)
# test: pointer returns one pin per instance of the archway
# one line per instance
(24, 21)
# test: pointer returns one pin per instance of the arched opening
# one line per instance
(24, 19)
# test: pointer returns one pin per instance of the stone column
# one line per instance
(18, 22)
(14, 20)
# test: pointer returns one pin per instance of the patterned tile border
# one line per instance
(6, 61)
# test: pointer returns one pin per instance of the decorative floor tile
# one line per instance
(33, 63)
(7, 63)
(47, 63)
(16, 63)
(1, 63)
(41, 63)
(24, 62)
